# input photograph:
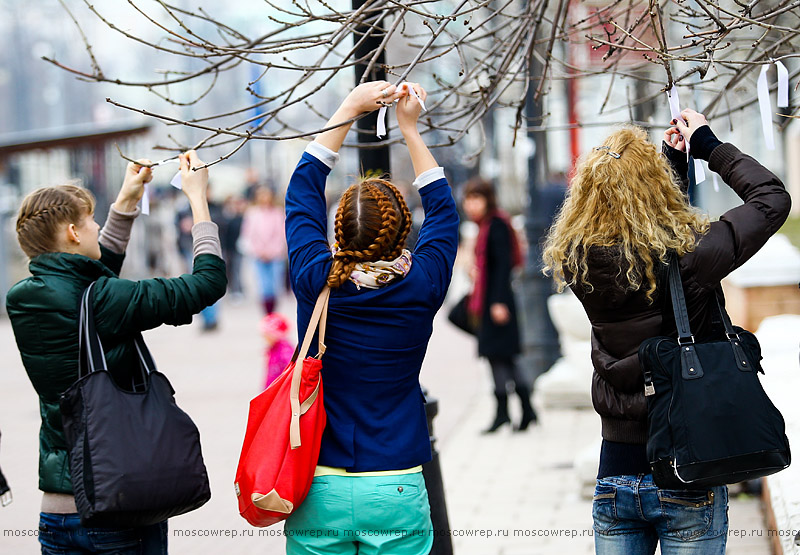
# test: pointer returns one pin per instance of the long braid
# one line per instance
(389, 220)
(343, 264)
(400, 242)
(372, 223)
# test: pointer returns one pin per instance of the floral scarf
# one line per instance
(374, 275)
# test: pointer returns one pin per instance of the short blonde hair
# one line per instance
(45, 210)
(623, 195)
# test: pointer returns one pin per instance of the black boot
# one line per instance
(502, 414)
(528, 414)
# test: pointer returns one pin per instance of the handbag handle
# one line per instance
(92, 357)
(319, 319)
(690, 363)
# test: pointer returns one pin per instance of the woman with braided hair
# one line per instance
(380, 318)
(68, 251)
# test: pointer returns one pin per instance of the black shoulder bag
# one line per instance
(134, 456)
(709, 420)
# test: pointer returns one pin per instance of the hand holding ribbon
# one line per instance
(409, 90)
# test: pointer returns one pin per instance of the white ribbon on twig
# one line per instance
(764, 103)
(765, 108)
(381, 131)
(146, 201)
(675, 110)
(176, 182)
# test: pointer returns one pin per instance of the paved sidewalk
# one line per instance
(520, 487)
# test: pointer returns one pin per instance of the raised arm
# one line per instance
(123, 307)
(116, 232)
(408, 110)
(743, 230)
(366, 97)
(436, 247)
(674, 150)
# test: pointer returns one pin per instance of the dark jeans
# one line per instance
(64, 535)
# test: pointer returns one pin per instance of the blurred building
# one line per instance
(86, 154)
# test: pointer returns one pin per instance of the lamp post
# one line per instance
(540, 336)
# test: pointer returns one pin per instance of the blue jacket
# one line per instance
(376, 338)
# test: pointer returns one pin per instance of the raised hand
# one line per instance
(194, 184)
(690, 121)
(409, 108)
(136, 176)
(367, 97)
(674, 139)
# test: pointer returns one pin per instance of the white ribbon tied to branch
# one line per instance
(675, 110)
(764, 104)
(381, 131)
(176, 182)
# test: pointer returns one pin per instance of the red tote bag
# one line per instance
(284, 433)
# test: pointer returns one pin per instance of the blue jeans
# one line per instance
(631, 515)
(64, 535)
(270, 277)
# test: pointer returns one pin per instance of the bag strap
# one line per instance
(679, 309)
(690, 363)
(318, 319)
(92, 357)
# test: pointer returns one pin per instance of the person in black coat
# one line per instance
(491, 303)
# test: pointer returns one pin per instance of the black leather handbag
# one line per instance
(460, 317)
(134, 456)
(709, 420)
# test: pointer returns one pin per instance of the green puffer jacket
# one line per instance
(44, 313)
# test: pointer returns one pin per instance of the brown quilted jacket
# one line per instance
(622, 319)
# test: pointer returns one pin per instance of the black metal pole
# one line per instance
(432, 473)
(372, 160)
(540, 336)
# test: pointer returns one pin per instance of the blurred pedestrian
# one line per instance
(56, 229)
(491, 303)
(233, 214)
(264, 239)
(369, 477)
(626, 213)
(278, 351)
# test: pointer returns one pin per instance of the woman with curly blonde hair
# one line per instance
(368, 484)
(625, 215)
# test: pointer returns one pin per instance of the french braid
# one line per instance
(372, 223)
(400, 242)
(45, 210)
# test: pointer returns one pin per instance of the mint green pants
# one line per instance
(364, 515)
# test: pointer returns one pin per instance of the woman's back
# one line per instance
(376, 337)
(622, 316)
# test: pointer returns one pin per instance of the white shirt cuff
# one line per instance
(429, 176)
(323, 154)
